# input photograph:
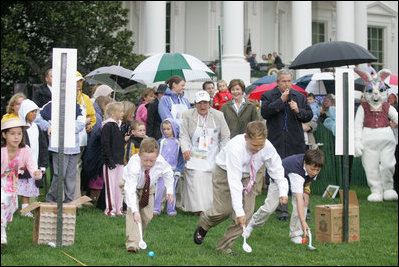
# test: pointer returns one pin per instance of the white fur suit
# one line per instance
(374, 139)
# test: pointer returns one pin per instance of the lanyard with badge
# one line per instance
(204, 139)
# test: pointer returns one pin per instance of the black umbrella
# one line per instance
(332, 54)
(336, 54)
(360, 84)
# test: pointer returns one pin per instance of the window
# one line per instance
(167, 48)
(375, 44)
(318, 32)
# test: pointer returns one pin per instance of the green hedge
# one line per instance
(332, 170)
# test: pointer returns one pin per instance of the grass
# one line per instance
(100, 240)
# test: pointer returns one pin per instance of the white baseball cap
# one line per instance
(202, 96)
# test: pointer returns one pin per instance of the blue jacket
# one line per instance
(165, 104)
(92, 162)
(169, 148)
(294, 164)
(316, 110)
(43, 120)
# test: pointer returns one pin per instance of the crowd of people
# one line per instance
(211, 158)
(265, 63)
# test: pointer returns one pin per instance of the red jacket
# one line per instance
(221, 98)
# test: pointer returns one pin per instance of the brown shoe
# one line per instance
(132, 249)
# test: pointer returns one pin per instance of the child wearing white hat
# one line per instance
(15, 158)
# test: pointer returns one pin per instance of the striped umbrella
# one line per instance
(161, 67)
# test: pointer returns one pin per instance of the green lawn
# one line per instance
(100, 241)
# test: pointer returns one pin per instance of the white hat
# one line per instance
(202, 96)
(12, 123)
(103, 90)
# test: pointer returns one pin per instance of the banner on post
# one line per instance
(70, 97)
(340, 128)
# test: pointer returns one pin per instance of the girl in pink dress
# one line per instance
(15, 158)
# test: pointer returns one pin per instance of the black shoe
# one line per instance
(199, 235)
(307, 217)
(234, 254)
(283, 218)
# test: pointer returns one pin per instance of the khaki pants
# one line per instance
(295, 223)
(222, 209)
(146, 214)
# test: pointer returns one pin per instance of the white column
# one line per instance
(155, 27)
(361, 23)
(301, 29)
(234, 65)
(301, 26)
(346, 21)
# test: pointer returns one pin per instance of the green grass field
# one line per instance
(100, 240)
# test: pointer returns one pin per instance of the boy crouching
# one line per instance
(140, 176)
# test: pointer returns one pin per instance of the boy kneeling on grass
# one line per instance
(301, 170)
(140, 176)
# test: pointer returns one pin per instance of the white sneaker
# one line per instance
(29, 214)
(248, 230)
(297, 239)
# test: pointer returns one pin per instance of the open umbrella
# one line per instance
(250, 88)
(257, 93)
(332, 54)
(265, 79)
(336, 54)
(161, 67)
(113, 76)
(317, 83)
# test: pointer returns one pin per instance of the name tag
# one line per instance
(204, 142)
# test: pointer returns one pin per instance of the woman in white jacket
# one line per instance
(203, 133)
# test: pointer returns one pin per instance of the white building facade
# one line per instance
(287, 27)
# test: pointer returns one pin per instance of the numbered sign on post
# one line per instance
(344, 127)
(64, 78)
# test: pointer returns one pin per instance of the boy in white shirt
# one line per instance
(235, 172)
(140, 176)
(301, 170)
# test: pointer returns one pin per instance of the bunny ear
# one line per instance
(383, 74)
(365, 75)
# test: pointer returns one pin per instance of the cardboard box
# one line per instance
(329, 221)
(45, 221)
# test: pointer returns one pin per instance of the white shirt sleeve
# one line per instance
(234, 177)
(296, 182)
(131, 174)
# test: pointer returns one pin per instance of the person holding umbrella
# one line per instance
(285, 110)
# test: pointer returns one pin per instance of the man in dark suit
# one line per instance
(42, 95)
(285, 110)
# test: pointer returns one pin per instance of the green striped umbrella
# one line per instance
(161, 67)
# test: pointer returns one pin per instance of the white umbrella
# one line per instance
(161, 67)
(314, 83)
(103, 75)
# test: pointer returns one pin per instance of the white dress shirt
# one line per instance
(235, 158)
(133, 174)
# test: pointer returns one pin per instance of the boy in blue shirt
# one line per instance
(301, 170)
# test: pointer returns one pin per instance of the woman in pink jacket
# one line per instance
(147, 96)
